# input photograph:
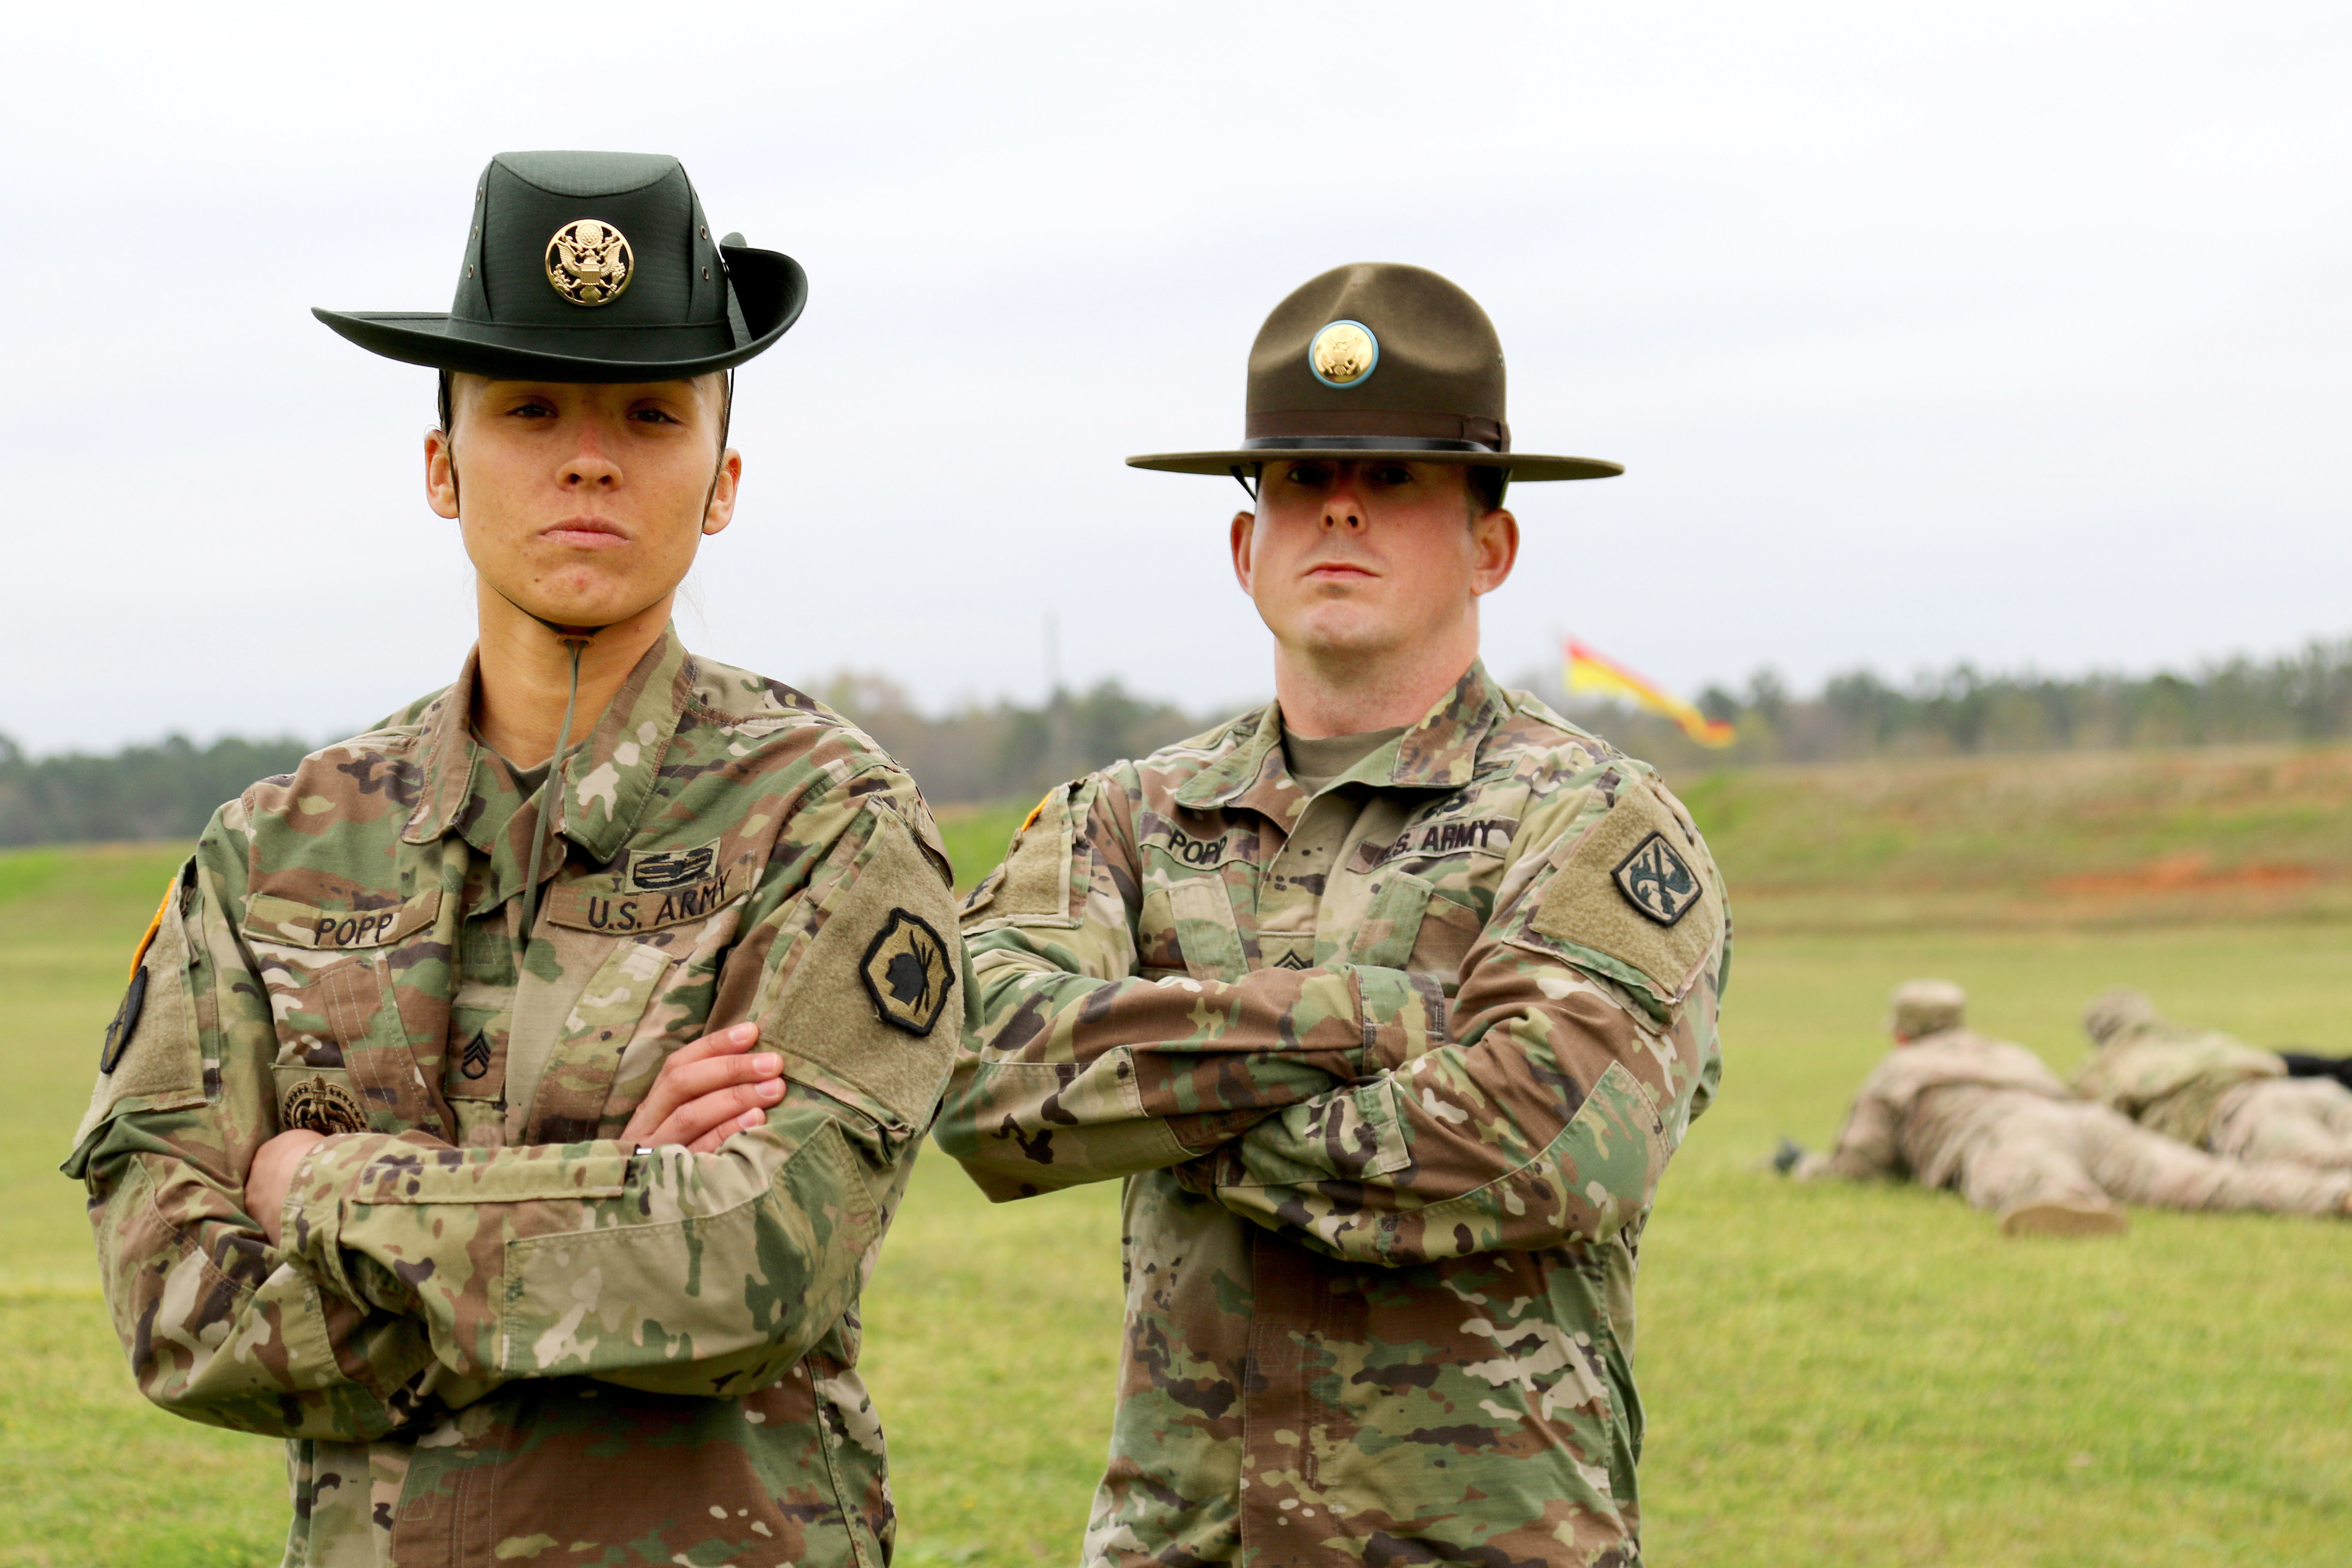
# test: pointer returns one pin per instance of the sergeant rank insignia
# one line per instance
(1657, 881)
(1343, 354)
(326, 1107)
(907, 971)
(589, 262)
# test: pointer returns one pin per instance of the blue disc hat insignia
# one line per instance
(1658, 882)
(1343, 354)
(908, 972)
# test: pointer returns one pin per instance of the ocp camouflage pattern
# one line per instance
(1391, 1074)
(492, 1332)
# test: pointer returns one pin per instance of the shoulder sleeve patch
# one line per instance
(150, 1058)
(859, 1009)
(1636, 888)
(1034, 883)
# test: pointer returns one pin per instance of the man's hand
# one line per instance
(708, 1091)
(273, 1172)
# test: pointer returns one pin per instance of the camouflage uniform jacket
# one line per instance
(1920, 1110)
(1390, 1091)
(2170, 1079)
(491, 1332)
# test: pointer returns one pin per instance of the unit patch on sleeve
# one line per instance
(908, 972)
(1633, 889)
(126, 1020)
(1656, 882)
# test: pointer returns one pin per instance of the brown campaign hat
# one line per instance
(1378, 360)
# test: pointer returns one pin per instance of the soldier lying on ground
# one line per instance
(405, 1146)
(2209, 1090)
(1948, 1108)
(1388, 1002)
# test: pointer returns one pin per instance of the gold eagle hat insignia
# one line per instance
(1343, 354)
(589, 262)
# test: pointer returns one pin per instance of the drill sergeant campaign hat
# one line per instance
(1378, 360)
(592, 266)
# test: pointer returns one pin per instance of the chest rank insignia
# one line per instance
(907, 971)
(319, 1106)
(589, 262)
(1657, 881)
(1343, 354)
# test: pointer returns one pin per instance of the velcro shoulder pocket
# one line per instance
(1038, 885)
(1634, 897)
(151, 1057)
(872, 1007)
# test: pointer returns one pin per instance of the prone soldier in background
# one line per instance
(2212, 1090)
(430, 1136)
(1388, 1002)
(1949, 1107)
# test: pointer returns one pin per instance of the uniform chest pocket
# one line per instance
(1191, 922)
(343, 1047)
(1384, 938)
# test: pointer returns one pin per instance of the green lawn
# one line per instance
(1834, 1378)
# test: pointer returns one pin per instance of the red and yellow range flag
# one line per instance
(1603, 677)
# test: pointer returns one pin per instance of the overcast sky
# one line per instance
(2019, 333)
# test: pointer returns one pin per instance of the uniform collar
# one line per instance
(612, 774)
(1441, 752)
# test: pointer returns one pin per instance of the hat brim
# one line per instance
(769, 287)
(1524, 467)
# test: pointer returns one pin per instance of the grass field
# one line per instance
(1834, 1378)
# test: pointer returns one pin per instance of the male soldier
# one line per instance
(1949, 1107)
(2210, 1091)
(1388, 1003)
(405, 1147)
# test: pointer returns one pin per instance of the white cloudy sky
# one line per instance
(2021, 333)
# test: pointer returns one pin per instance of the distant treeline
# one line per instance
(166, 791)
(1007, 751)
(2304, 697)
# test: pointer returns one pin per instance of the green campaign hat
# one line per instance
(592, 266)
(1378, 360)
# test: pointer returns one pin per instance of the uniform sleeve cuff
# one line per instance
(1404, 1016)
(310, 1225)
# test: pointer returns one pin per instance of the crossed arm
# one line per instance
(338, 1287)
(1350, 1107)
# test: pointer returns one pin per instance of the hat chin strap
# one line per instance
(551, 789)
